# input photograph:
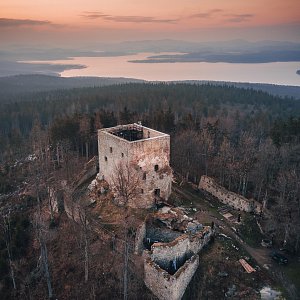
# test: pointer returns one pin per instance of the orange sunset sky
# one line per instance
(66, 21)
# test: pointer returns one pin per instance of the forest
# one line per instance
(249, 141)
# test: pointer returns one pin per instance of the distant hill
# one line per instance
(257, 56)
(271, 50)
(272, 89)
(16, 85)
(217, 47)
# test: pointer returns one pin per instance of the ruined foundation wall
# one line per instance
(232, 199)
(199, 240)
(166, 286)
(183, 246)
(154, 234)
(164, 253)
(164, 235)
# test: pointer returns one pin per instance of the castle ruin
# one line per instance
(169, 241)
(146, 152)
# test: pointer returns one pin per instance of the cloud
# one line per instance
(5, 22)
(125, 19)
(237, 18)
(234, 18)
(207, 14)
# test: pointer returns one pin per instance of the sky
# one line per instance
(84, 22)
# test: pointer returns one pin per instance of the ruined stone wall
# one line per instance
(164, 235)
(56, 198)
(112, 151)
(150, 154)
(89, 171)
(199, 240)
(232, 199)
(139, 238)
(154, 234)
(166, 286)
(165, 253)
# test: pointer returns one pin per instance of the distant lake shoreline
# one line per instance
(281, 73)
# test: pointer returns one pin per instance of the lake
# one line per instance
(283, 73)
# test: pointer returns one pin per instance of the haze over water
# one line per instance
(47, 28)
(283, 73)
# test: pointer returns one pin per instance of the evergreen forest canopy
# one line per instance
(198, 101)
(248, 140)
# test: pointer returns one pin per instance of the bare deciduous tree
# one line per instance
(126, 184)
(41, 228)
(5, 224)
(84, 224)
(85, 132)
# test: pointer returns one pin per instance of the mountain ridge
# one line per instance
(11, 86)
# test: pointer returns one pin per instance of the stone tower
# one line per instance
(144, 149)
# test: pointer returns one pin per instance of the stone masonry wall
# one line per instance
(166, 286)
(164, 253)
(150, 153)
(232, 199)
(153, 233)
(199, 240)
(108, 161)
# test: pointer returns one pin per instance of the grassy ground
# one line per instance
(249, 231)
(187, 196)
(219, 270)
(292, 271)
